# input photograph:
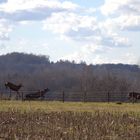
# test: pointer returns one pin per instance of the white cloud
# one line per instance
(84, 29)
(21, 10)
(25, 11)
(129, 22)
(91, 10)
(90, 53)
(70, 21)
(67, 22)
(118, 7)
(130, 58)
(122, 23)
(5, 28)
(84, 53)
(61, 19)
(114, 40)
(16, 5)
(123, 14)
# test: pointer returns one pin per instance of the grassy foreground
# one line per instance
(68, 121)
(44, 106)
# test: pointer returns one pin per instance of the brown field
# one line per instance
(69, 121)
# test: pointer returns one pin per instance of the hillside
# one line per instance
(36, 72)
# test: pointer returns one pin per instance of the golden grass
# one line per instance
(68, 106)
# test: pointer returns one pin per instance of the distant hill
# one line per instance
(37, 72)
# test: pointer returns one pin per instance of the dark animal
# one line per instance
(134, 96)
(36, 95)
(13, 87)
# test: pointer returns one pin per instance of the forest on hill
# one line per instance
(38, 72)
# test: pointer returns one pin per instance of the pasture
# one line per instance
(69, 120)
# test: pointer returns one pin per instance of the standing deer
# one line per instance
(13, 87)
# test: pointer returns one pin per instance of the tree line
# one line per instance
(38, 72)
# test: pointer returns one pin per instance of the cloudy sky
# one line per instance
(94, 31)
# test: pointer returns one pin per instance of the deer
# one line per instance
(37, 94)
(13, 87)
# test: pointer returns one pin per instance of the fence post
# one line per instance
(63, 96)
(85, 95)
(22, 96)
(133, 98)
(108, 97)
(1, 95)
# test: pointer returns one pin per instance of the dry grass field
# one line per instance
(69, 121)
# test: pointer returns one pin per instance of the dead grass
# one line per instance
(69, 121)
(69, 126)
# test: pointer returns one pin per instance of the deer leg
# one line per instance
(42, 97)
(18, 95)
(134, 100)
(10, 94)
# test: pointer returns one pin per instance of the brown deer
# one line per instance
(39, 94)
(13, 87)
(134, 96)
